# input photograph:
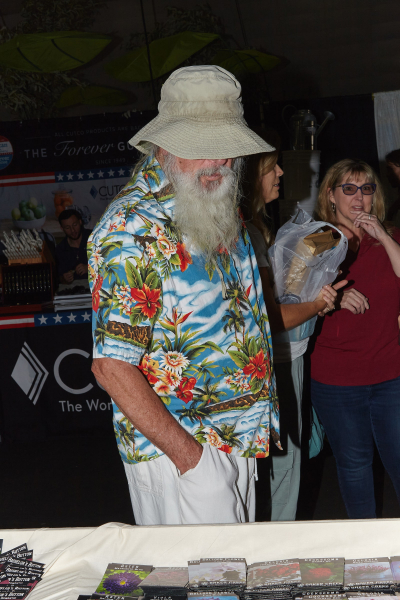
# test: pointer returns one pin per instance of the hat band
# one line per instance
(201, 110)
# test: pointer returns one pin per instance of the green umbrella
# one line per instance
(240, 62)
(165, 54)
(92, 95)
(49, 52)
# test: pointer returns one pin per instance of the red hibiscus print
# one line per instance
(147, 300)
(184, 256)
(225, 448)
(184, 391)
(96, 293)
(257, 366)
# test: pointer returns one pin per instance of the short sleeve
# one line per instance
(126, 291)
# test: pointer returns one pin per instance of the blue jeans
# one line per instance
(354, 417)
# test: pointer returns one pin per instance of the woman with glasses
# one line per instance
(355, 365)
(260, 187)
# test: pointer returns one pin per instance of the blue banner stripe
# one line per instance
(96, 174)
(65, 317)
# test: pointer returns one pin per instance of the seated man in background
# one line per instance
(71, 255)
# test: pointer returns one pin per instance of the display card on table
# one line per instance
(166, 581)
(204, 595)
(194, 572)
(121, 579)
(222, 572)
(321, 573)
(217, 573)
(19, 574)
(374, 596)
(371, 573)
(395, 568)
(328, 595)
(96, 596)
(11, 592)
(273, 574)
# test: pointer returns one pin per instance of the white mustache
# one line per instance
(223, 171)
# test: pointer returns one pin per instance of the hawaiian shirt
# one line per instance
(198, 331)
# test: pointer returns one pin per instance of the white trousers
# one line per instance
(220, 489)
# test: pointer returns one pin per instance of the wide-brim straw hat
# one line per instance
(201, 116)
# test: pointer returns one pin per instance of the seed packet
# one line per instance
(395, 567)
(123, 580)
(166, 582)
(321, 572)
(222, 572)
(368, 572)
(194, 572)
(375, 596)
(204, 595)
(273, 573)
(167, 577)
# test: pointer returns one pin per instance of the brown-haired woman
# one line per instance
(261, 186)
(355, 365)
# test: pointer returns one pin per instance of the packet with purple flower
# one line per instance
(123, 580)
(368, 574)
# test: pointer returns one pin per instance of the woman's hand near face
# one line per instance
(371, 225)
(354, 301)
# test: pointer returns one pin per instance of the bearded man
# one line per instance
(181, 337)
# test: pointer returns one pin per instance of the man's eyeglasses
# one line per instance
(349, 189)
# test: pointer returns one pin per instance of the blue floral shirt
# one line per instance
(198, 331)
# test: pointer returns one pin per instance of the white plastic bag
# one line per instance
(298, 273)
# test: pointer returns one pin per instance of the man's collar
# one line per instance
(155, 180)
(153, 174)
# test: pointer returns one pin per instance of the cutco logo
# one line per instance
(57, 372)
(29, 373)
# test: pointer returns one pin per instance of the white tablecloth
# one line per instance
(76, 558)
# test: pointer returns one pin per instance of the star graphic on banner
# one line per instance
(80, 175)
(70, 176)
(43, 320)
(100, 173)
(86, 316)
(57, 319)
(71, 318)
(111, 173)
(90, 175)
(121, 172)
(60, 177)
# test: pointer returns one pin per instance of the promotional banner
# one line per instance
(47, 387)
(82, 161)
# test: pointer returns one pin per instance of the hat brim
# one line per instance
(190, 138)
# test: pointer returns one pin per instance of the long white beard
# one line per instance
(207, 216)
